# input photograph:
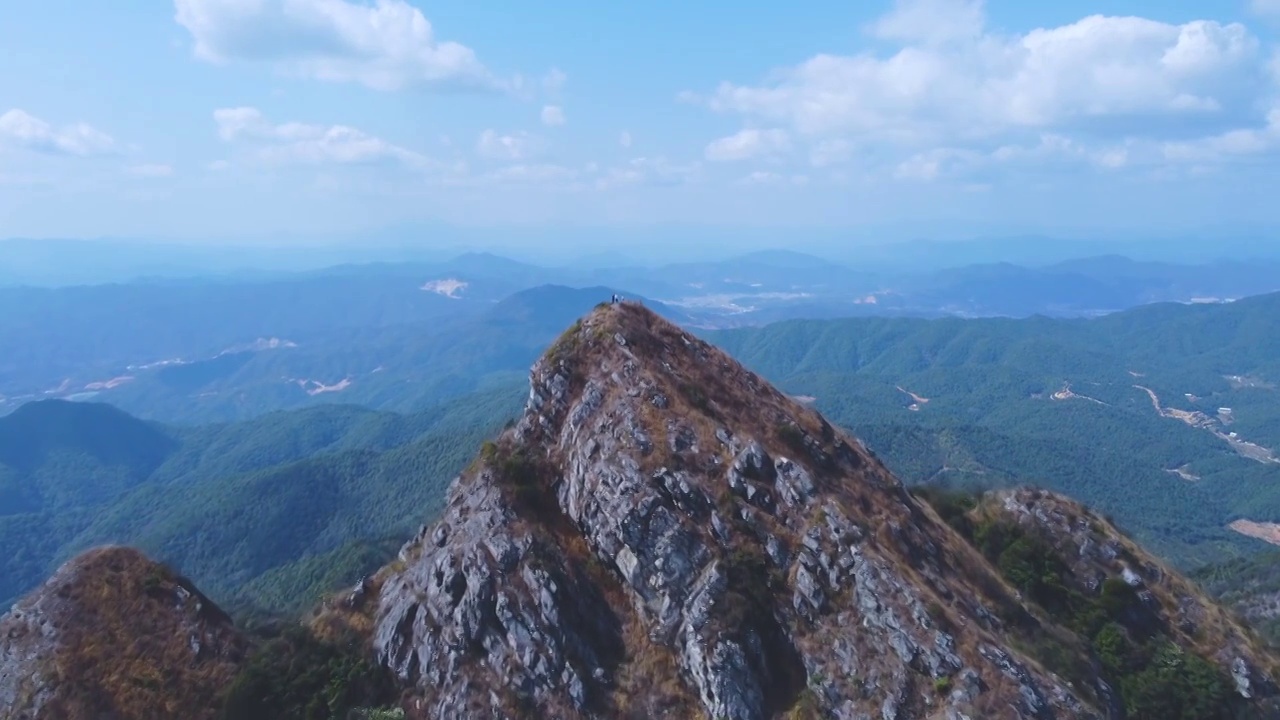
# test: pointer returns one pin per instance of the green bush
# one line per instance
(791, 435)
(1177, 685)
(296, 677)
(1155, 678)
(1117, 596)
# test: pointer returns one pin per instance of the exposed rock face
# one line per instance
(663, 534)
(115, 636)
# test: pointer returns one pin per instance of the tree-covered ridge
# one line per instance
(1062, 403)
(1251, 586)
(397, 360)
(247, 510)
(986, 416)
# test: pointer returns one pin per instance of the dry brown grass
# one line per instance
(124, 641)
(706, 390)
(340, 621)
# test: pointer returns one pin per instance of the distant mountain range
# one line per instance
(890, 250)
(1164, 416)
(395, 335)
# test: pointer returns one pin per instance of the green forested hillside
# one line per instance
(265, 513)
(1062, 403)
(1251, 586)
(399, 368)
(47, 448)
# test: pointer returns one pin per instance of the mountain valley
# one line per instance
(396, 335)
(273, 475)
(662, 533)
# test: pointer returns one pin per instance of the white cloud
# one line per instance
(953, 82)
(1052, 146)
(385, 45)
(747, 144)
(150, 170)
(932, 164)
(1049, 151)
(514, 146)
(553, 115)
(1266, 8)
(23, 130)
(931, 21)
(302, 144)
(1228, 145)
(624, 139)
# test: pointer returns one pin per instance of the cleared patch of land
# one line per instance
(1197, 419)
(448, 287)
(919, 401)
(1185, 473)
(114, 382)
(1265, 531)
(315, 387)
(1066, 393)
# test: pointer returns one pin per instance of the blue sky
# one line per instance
(232, 119)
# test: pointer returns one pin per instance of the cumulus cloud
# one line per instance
(297, 143)
(512, 146)
(22, 130)
(951, 82)
(553, 115)
(747, 144)
(385, 45)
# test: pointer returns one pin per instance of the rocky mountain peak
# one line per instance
(114, 635)
(664, 534)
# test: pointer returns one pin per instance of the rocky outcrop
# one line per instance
(115, 636)
(1095, 551)
(663, 534)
